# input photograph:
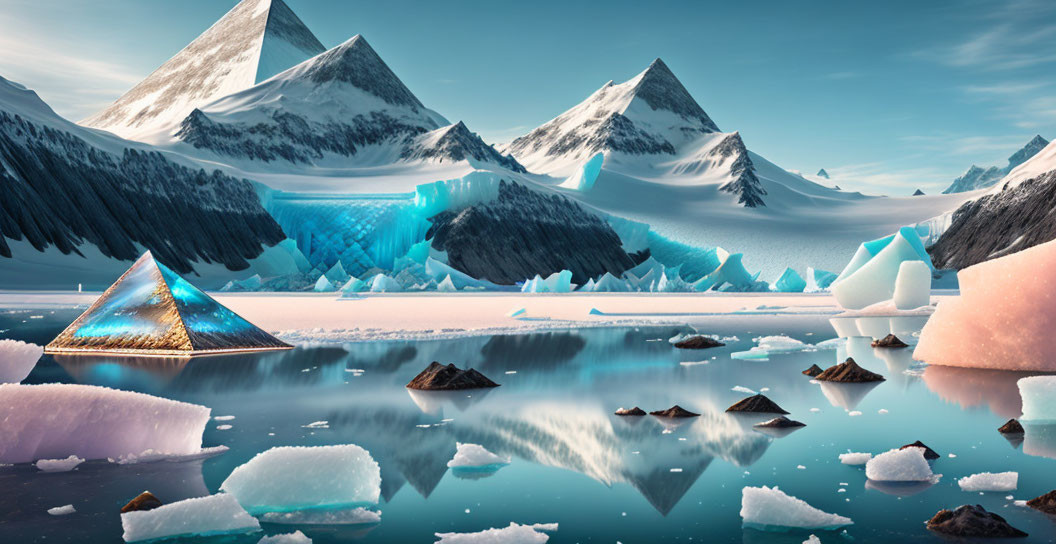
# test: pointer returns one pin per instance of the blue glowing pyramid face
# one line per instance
(152, 310)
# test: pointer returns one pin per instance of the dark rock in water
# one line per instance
(759, 404)
(780, 423)
(698, 342)
(437, 377)
(636, 411)
(918, 192)
(848, 372)
(145, 501)
(973, 521)
(674, 411)
(929, 453)
(528, 233)
(813, 371)
(1011, 427)
(1045, 503)
(889, 341)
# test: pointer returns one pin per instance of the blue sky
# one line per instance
(887, 96)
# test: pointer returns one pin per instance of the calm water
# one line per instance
(602, 478)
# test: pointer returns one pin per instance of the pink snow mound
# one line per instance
(1003, 318)
(54, 421)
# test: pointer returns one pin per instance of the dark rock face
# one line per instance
(972, 521)
(1045, 503)
(523, 233)
(744, 184)
(58, 190)
(848, 372)
(663, 91)
(459, 144)
(636, 411)
(918, 192)
(698, 342)
(674, 411)
(1011, 427)
(995, 225)
(355, 62)
(759, 404)
(145, 501)
(437, 377)
(780, 423)
(813, 371)
(889, 341)
(929, 453)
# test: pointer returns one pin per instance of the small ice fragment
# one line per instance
(317, 425)
(676, 470)
(812, 540)
(987, 481)
(211, 515)
(223, 418)
(772, 508)
(59, 465)
(344, 516)
(815, 410)
(855, 458)
(764, 390)
(1009, 497)
(511, 372)
(295, 537)
(801, 467)
(516, 312)
(882, 411)
(953, 456)
(223, 427)
(1021, 504)
(841, 490)
(693, 363)
(514, 533)
(475, 456)
(62, 510)
(906, 465)
(854, 413)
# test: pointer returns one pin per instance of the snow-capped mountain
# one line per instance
(980, 178)
(1017, 213)
(82, 191)
(344, 107)
(254, 41)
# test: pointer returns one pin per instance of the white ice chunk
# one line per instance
(212, 515)
(384, 284)
(513, 534)
(912, 285)
(53, 421)
(439, 271)
(295, 537)
(293, 478)
(855, 458)
(59, 465)
(17, 359)
(343, 516)
(62, 510)
(812, 540)
(584, 177)
(446, 285)
(906, 465)
(988, 481)
(871, 274)
(323, 285)
(1039, 397)
(772, 508)
(474, 455)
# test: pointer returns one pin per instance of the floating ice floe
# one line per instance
(474, 456)
(1039, 398)
(912, 285)
(1002, 319)
(295, 537)
(58, 465)
(513, 534)
(776, 345)
(62, 510)
(907, 465)
(53, 421)
(771, 508)
(987, 481)
(855, 458)
(870, 276)
(292, 478)
(17, 359)
(212, 515)
(341, 516)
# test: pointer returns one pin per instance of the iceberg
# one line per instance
(584, 177)
(202, 516)
(17, 359)
(475, 187)
(438, 270)
(912, 285)
(384, 284)
(290, 478)
(870, 276)
(855, 458)
(1002, 319)
(1039, 398)
(474, 456)
(772, 509)
(337, 274)
(295, 537)
(818, 280)
(608, 283)
(446, 286)
(62, 510)
(58, 465)
(790, 282)
(354, 285)
(53, 421)
(323, 285)
(987, 481)
(252, 283)
(151, 310)
(512, 534)
(558, 282)
(905, 465)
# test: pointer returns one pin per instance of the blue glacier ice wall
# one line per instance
(451, 194)
(696, 262)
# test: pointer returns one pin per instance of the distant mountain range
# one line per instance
(980, 178)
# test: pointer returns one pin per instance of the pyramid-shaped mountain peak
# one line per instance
(658, 86)
(254, 41)
(355, 62)
(150, 310)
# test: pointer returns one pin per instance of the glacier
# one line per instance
(53, 421)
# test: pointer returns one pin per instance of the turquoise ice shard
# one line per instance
(150, 310)
(585, 176)
(870, 276)
(790, 282)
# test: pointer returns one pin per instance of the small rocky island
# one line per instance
(636, 411)
(758, 404)
(813, 371)
(1045, 503)
(698, 342)
(972, 521)
(780, 422)
(848, 372)
(1011, 427)
(674, 411)
(438, 377)
(889, 341)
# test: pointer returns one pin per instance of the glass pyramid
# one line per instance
(150, 310)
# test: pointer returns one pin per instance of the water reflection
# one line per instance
(899, 489)
(846, 395)
(1039, 440)
(973, 387)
